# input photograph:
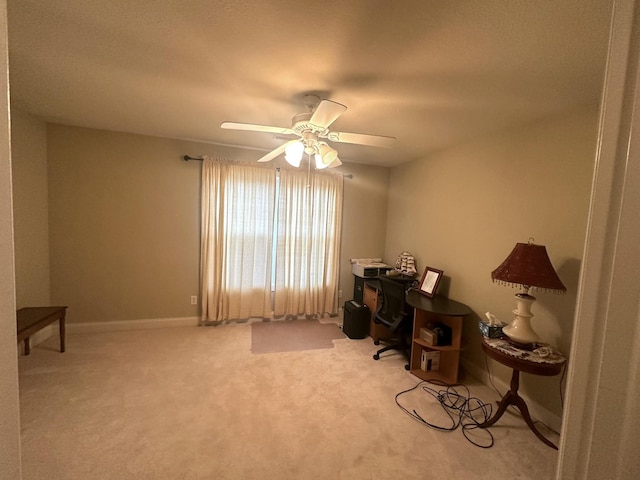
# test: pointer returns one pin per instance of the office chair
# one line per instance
(396, 315)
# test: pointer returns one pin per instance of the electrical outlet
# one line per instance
(194, 300)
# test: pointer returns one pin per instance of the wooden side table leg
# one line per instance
(522, 406)
(509, 398)
(26, 346)
(512, 398)
(62, 333)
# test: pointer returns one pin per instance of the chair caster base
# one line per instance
(376, 356)
(407, 367)
(376, 342)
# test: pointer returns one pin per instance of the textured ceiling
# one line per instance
(431, 73)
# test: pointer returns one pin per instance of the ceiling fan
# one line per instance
(312, 130)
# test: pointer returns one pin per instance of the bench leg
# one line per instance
(62, 331)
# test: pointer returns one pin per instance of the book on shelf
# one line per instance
(430, 360)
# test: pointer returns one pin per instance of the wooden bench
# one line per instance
(33, 319)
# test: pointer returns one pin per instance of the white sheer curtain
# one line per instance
(237, 238)
(308, 243)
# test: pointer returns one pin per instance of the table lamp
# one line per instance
(527, 266)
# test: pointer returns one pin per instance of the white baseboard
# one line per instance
(123, 325)
(537, 411)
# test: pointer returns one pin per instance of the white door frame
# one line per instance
(599, 430)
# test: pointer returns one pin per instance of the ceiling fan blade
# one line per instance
(274, 153)
(326, 113)
(362, 139)
(257, 128)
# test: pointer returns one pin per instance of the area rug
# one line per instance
(292, 335)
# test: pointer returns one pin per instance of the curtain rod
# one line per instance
(186, 158)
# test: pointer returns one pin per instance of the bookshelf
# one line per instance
(429, 311)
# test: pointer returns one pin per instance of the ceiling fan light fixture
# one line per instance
(319, 164)
(293, 154)
(327, 154)
(335, 163)
(293, 161)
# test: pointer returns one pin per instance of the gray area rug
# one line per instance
(292, 336)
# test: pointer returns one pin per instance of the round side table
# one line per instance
(521, 361)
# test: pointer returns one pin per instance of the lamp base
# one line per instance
(519, 331)
(519, 345)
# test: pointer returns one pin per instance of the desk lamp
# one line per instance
(527, 266)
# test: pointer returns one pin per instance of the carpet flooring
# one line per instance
(292, 336)
(194, 403)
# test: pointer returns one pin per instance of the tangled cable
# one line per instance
(463, 410)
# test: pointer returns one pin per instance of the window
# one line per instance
(263, 233)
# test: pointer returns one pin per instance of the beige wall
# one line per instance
(464, 209)
(124, 222)
(364, 218)
(30, 209)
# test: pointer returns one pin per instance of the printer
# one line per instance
(363, 268)
(369, 267)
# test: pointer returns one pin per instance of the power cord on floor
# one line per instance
(464, 410)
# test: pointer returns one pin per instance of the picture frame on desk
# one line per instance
(429, 282)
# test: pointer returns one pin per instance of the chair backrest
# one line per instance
(394, 310)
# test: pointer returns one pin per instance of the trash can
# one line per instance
(356, 320)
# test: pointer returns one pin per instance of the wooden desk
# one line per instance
(372, 298)
(520, 361)
(32, 319)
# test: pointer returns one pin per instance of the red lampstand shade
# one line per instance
(528, 265)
